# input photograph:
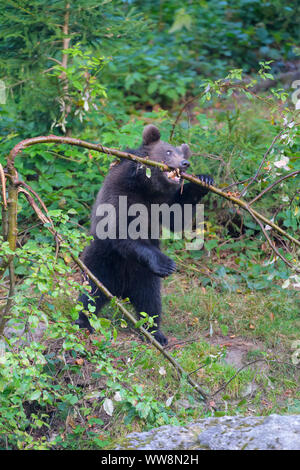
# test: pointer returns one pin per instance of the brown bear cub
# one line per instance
(129, 265)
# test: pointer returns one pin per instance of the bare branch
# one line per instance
(250, 364)
(276, 138)
(272, 245)
(290, 175)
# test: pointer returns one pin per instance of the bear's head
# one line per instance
(160, 151)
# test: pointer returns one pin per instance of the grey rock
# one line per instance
(272, 432)
(21, 336)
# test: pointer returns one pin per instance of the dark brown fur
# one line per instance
(133, 268)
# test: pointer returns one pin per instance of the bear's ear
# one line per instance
(150, 134)
(186, 151)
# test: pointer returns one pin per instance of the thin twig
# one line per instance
(249, 364)
(64, 62)
(272, 245)
(181, 111)
(276, 138)
(294, 173)
(21, 183)
(234, 376)
(237, 184)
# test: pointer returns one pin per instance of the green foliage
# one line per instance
(129, 63)
(205, 39)
(83, 87)
(40, 379)
(32, 44)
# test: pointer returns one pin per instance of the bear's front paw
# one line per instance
(207, 179)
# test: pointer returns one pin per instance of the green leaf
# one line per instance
(152, 87)
(35, 395)
(182, 20)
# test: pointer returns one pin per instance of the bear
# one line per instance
(131, 267)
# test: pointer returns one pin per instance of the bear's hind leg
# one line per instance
(144, 294)
(98, 301)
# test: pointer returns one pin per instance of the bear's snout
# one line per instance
(184, 164)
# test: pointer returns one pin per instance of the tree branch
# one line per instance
(100, 148)
(263, 160)
(294, 173)
(272, 244)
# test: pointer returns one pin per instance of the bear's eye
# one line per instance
(169, 152)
